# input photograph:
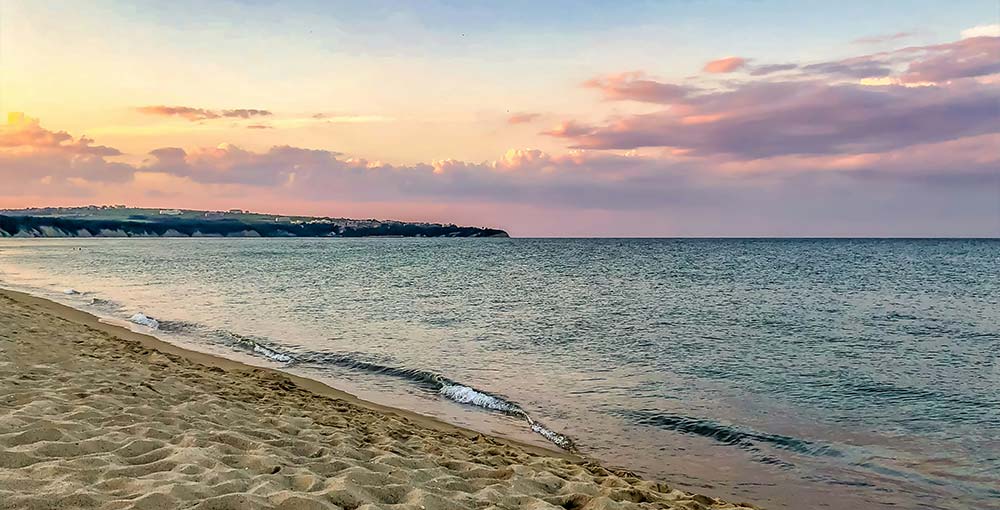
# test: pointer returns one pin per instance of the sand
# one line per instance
(96, 416)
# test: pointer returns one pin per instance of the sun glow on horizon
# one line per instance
(484, 117)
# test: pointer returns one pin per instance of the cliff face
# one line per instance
(44, 226)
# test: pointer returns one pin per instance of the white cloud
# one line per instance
(982, 30)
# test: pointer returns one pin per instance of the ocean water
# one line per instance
(788, 373)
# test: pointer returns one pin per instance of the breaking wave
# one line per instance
(445, 387)
(144, 320)
(440, 384)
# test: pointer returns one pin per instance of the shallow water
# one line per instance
(857, 373)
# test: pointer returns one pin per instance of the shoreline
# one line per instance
(541, 437)
(583, 480)
(209, 360)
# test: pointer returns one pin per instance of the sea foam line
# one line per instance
(444, 387)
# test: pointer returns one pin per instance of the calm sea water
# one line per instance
(789, 373)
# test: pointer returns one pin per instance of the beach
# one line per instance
(96, 416)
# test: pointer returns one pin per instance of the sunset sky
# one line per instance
(673, 118)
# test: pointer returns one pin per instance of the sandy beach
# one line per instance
(96, 416)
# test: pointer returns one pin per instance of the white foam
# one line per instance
(557, 438)
(274, 355)
(144, 320)
(467, 395)
(70, 292)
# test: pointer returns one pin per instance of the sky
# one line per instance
(669, 118)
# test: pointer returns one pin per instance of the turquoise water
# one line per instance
(863, 373)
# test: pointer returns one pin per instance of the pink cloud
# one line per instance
(769, 119)
(636, 86)
(967, 58)
(702, 193)
(725, 65)
(29, 135)
(816, 110)
(35, 158)
(568, 129)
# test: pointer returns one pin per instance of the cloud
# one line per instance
(636, 86)
(868, 103)
(230, 164)
(523, 176)
(27, 135)
(762, 70)
(828, 194)
(198, 114)
(530, 191)
(973, 56)
(159, 194)
(349, 118)
(884, 38)
(725, 65)
(522, 118)
(186, 112)
(169, 155)
(35, 158)
(768, 119)
(967, 58)
(982, 31)
(243, 113)
(259, 126)
(856, 68)
(569, 129)
(894, 142)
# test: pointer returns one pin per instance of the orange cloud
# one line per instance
(636, 86)
(567, 129)
(522, 118)
(24, 134)
(725, 65)
(195, 114)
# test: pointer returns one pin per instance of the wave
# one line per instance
(732, 435)
(234, 340)
(106, 306)
(443, 386)
(271, 354)
(467, 395)
(144, 320)
(180, 326)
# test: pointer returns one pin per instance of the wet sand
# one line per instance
(96, 416)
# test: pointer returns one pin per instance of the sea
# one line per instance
(789, 373)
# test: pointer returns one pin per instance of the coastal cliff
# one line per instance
(29, 225)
